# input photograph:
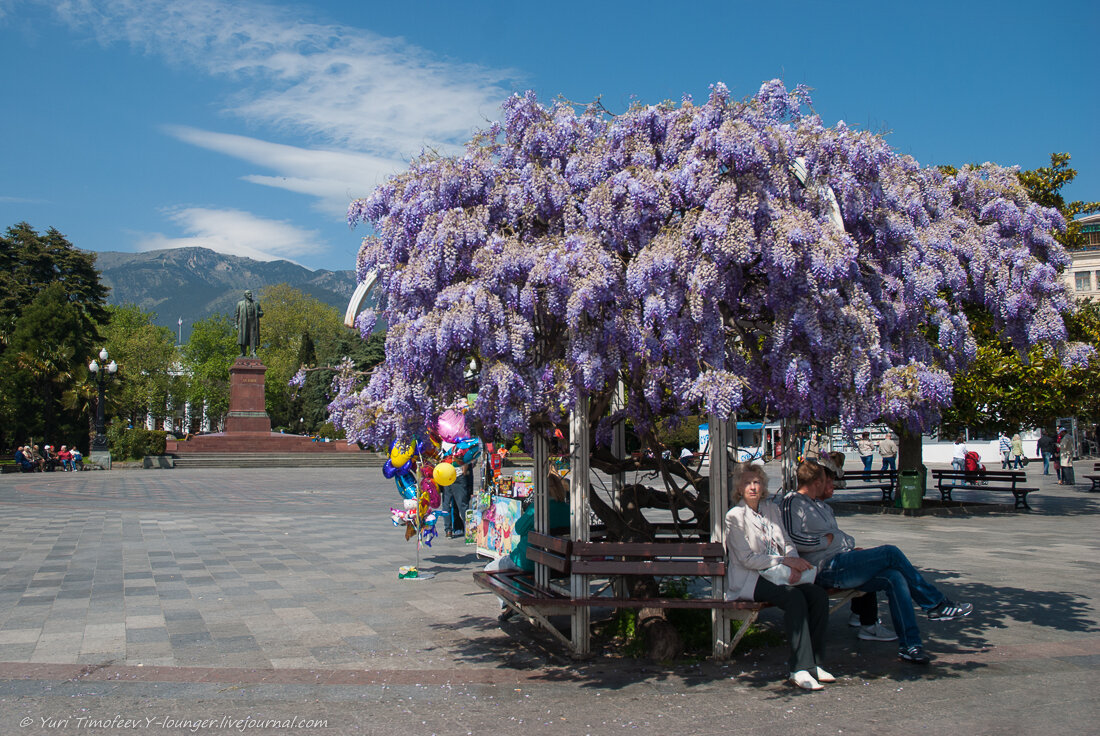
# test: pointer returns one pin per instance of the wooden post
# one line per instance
(580, 447)
(540, 453)
(618, 481)
(721, 431)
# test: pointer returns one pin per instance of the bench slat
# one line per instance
(554, 561)
(585, 566)
(648, 549)
(548, 542)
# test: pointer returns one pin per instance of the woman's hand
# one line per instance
(796, 563)
(798, 566)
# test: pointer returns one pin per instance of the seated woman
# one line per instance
(755, 542)
(65, 458)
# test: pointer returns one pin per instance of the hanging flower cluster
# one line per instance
(712, 256)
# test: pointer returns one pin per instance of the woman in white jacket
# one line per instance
(755, 541)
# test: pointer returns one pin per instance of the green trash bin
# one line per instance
(910, 489)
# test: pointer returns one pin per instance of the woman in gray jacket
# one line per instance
(755, 542)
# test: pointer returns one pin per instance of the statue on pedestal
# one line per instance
(248, 324)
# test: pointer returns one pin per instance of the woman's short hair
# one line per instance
(743, 473)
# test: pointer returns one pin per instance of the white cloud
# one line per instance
(22, 200)
(334, 177)
(235, 233)
(366, 104)
(345, 86)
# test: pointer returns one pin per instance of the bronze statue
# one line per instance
(248, 324)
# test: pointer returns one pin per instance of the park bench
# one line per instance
(885, 481)
(1010, 481)
(617, 560)
(1095, 478)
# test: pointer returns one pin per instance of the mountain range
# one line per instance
(194, 283)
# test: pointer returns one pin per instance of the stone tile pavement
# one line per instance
(177, 593)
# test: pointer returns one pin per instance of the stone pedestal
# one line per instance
(247, 426)
(246, 398)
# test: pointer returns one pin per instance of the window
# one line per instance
(1083, 280)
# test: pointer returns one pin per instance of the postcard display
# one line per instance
(497, 510)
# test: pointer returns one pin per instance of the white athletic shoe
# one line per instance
(823, 676)
(853, 620)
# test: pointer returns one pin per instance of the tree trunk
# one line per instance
(662, 640)
(909, 450)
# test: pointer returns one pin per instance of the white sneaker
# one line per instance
(823, 676)
(877, 632)
(853, 620)
(805, 680)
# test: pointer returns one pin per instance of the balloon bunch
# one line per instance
(421, 468)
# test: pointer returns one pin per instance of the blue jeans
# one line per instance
(1046, 463)
(867, 460)
(885, 568)
(890, 463)
(456, 499)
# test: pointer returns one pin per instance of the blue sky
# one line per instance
(248, 127)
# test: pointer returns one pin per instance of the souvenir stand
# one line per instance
(580, 439)
(497, 509)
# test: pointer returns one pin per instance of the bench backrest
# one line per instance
(649, 558)
(554, 552)
(869, 478)
(1003, 477)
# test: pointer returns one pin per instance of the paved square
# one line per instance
(197, 593)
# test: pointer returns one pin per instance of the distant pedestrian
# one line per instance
(958, 460)
(813, 447)
(1056, 457)
(1017, 451)
(1066, 449)
(1005, 447)
(866, 454)
(1046, 447)
(889, 451)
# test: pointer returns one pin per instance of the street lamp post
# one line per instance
(102, 371)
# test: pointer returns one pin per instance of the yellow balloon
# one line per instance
(444, 474)
(400, 454)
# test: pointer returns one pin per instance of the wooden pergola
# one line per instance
(721, 432)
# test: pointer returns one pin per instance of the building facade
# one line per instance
(1083, 274)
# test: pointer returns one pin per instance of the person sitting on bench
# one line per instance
(558, 492)
(21, 460)
(810, 523)
(755, 543)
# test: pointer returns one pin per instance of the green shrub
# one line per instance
(135, 443)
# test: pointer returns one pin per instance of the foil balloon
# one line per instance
(427, 485)
(400, 454)
(406, 485)
(445, 474)
(468, 450)
(452, 425)
(388, 470)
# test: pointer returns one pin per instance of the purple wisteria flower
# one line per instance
(712, 257)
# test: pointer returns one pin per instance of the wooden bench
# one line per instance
(885, 481)
(1011, 481)
(1095, 478)
(616, 560)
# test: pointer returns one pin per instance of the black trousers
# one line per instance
(805, 617)
(866, 607)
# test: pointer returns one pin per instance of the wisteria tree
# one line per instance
(712, 257)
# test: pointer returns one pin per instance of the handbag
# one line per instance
(781, 575)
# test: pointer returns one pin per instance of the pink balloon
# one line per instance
(452, 425)
(427, 485)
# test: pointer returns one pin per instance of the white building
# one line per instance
(1083, 274)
